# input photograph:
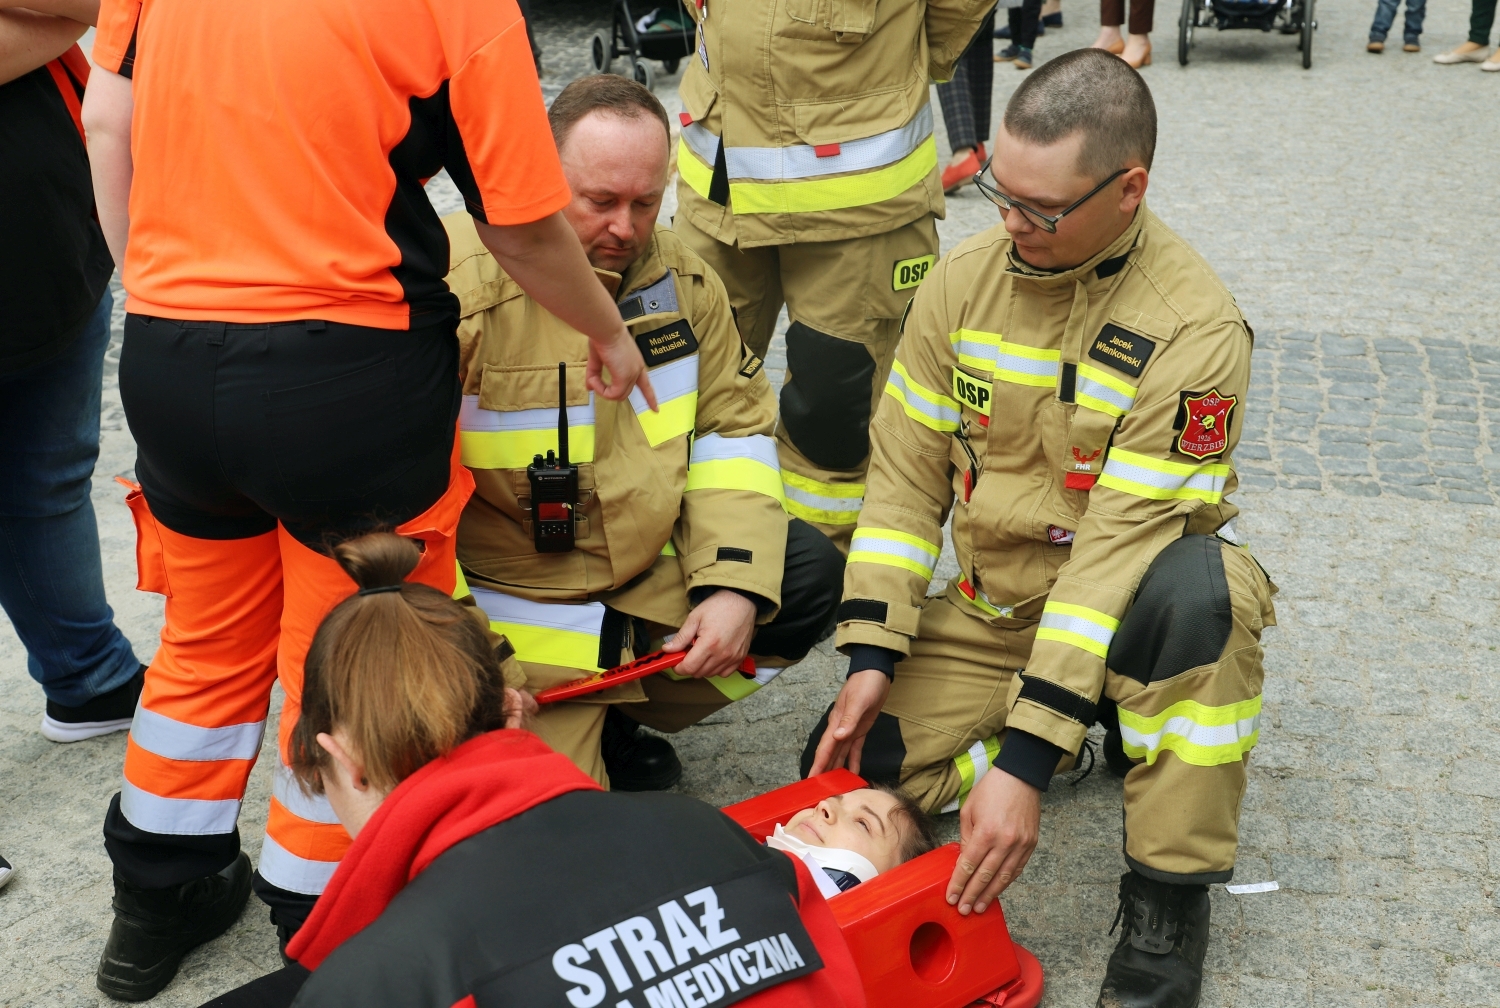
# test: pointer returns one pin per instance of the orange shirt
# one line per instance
(280, 148)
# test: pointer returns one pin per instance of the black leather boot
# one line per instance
(154, 928)
(1158, 962)
(636, 761)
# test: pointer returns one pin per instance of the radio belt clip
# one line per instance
(554, 484)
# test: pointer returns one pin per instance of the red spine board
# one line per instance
(658, 661)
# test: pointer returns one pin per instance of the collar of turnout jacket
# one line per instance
(686, 496)
(806, 121)
(469, 889)
(1075, 423)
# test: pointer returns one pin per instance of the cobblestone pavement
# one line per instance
(1337, 203)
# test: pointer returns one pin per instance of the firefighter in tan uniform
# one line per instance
(678, 524)
(1072, 398)
(809, 178)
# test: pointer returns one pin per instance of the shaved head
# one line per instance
(1094, 94)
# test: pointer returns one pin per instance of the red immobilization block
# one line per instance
(912, 948)
(760, 815)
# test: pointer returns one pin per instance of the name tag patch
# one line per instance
(1122, 349)
(670, 342)
(908, 273)
(750, 364)
(976, 393)
(714, 945)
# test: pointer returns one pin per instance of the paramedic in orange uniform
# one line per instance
(290, 374)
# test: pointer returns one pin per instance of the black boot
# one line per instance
(1158, 962)
(636, 761)
(155, 928)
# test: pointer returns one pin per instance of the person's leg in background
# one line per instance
(1380, 27)
(1111, 19)
(1137, 51)
(1476, 47)
(752, 278)
(965, 99)
(1051, 16)
(1024, 27)
(1411, 38)
(845, 299)
(51, 576)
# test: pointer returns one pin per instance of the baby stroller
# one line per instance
(1289, 17)
(665, 34)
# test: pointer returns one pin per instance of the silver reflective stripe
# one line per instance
(1023, 365)
(659, 297)
(1207, 482)
(587, 618)
(1098, 390)
(671, 381)
(1078, 625)
(1227, 532)
(755, 447)
(159, 734)
(800, 161)
(918, 399)
(765, 675)
(177, 816)
(847, 505)
(1193, 732)
(282, 868)
(472, 418)
(313, 808)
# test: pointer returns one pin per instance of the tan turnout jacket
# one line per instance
(687, 497)
(822, 107)
(1082, 421)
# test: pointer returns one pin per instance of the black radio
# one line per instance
(554, 484)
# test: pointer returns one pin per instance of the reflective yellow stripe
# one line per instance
(894, 549)
(735, 474)
(515, 449)
(1079, 626)
(1196, 733)
(922, 404)
(1103, 392)
(676, 418)
(1158, 479)
(1012, 362)
(824, 503)
(460, 583)
(813, 195)
(550, 646)
(734, 686)
(972, 765)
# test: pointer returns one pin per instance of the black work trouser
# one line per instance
(325, 429)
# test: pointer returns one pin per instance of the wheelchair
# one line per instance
(665, 34)
(1288, 17)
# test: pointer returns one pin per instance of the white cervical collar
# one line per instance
(836, 858)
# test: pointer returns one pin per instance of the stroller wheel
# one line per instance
(642, 73)
(601, 51)
(670, 66)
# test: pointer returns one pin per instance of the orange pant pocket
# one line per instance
(150, 558)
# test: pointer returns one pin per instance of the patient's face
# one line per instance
(861, 821)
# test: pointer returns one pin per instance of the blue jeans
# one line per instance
(1385, 16)
(51, 578)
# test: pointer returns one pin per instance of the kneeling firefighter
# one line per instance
(644, 523)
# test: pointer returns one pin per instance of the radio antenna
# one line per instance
(562, 413)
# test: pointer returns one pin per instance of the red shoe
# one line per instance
(956, 176)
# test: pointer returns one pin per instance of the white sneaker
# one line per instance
(6, 871)
(110, 712)
(1472, 56)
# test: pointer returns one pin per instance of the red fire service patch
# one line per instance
(1205, 424)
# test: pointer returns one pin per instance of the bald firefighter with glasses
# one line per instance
(809, 180)
(1070, 388)
(646, 524)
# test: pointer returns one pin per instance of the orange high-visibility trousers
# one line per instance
(241, 614)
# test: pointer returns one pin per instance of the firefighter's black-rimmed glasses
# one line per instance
(1046, 222)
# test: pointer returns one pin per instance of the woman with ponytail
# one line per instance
(487, 869)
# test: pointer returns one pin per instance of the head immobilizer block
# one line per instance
(913, 950)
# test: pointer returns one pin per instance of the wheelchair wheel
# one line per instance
(601, 51)
(1308, 24)
(641, 71)
(1185, 27)
(670, 66)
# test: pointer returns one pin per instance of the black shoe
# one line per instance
(155, 928)
(1158, 962)
(636, 761)
(1114, 753)
(109, 712)
(1003, 31)
(1053, 20)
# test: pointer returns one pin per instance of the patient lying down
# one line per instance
(851, 838)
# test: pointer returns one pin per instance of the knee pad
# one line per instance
(825, 405)
(1181, 618)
